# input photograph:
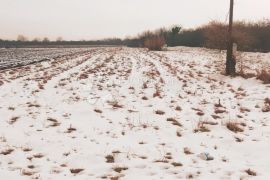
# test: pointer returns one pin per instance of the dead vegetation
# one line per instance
(13, 120)
(71, 129)
(234, 127)
(27, 172)
(7, 151)
(115, 104)
(174, 122)
(266, 107)
(119, 169)
(264, 76)
(54, 122)
(76, 171)
(187, 151)
(98, 111)
(159, 112)
(201, 127)
(109, 159)
(251, 172)
(176, 164)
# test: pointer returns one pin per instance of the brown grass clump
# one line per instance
(219, 111)
(201, 128)
(119, 169)
(266, 107)
(233, 126)
(54, 122)
(76, 171)
(154, 43)
(187, 151)
(115, 104)
(33, 105)
(27, 173)
(97, 110)
(109, 159)
(174, 122)
(161, 161)
(83, 76)
(175, 164)
(144, 98)
(264, 76)
(38, 156)
(251, 172)
(13, 120)
(178, 108)
(159, 112)
(7, 151)
(71, 129)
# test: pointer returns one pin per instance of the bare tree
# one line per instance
(59, 39)
(46, 39)
(22, 38)
(36, 40)
(215, 34)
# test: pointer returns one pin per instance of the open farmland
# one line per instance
(122, 113)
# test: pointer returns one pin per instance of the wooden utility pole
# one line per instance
(230, 61)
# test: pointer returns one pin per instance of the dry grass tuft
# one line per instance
(119, 169)
(115, 104)
(97, 110)
(175, 164)
(219, 111)
(76, 171)
(13, 120)
(71, 129)
(251, 172)
(187, 151)
(159, 112)
(264, 76)
(38, 156)
(27, 173)
(154, 43)
(266, 107)
(144, 98)
(109, 159)
(233, 126)
(201, 128)
(174, 122)
(7, 151)
(178, 108)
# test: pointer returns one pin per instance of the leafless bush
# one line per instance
(264, 76)
(234, 127)
(154, 43)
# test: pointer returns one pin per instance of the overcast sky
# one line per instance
(94, 19)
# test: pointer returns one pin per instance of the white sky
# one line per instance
(94, 19)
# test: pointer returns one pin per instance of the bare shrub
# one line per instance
(109, 159)
(119, 169)
(266, 107)
(76, 171)
(233, 126)
(264, 76)
(159, 112)
(154, 43)
(251, 172)
(215, 34)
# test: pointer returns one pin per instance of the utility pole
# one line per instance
(230, 61)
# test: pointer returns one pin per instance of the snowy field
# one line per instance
(121, 113)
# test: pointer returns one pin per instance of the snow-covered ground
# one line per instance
(121, 113)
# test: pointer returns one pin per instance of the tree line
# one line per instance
(250, 36)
